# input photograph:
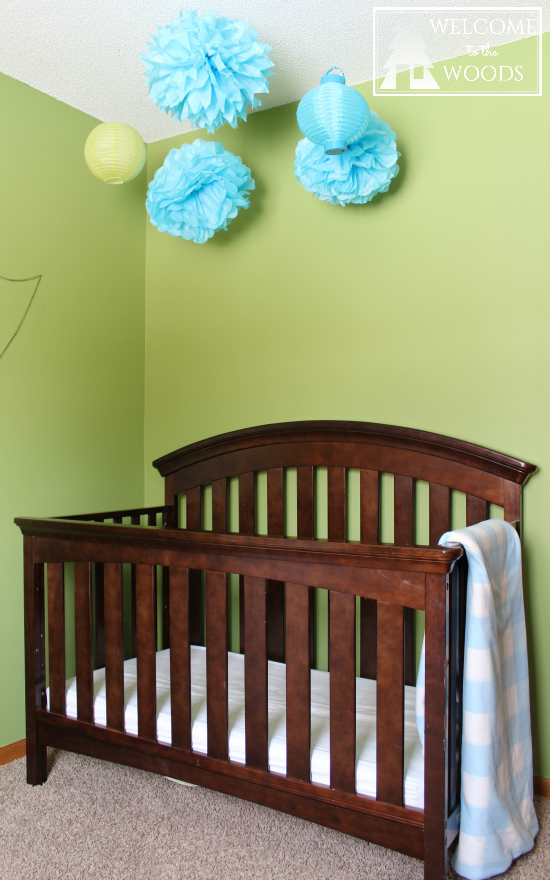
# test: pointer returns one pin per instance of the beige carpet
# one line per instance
(98, 821)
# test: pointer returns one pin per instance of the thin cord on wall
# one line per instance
(36, 278)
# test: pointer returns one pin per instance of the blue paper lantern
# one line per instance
(365, 169)
(333, 114)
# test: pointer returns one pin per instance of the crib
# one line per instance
(151, 588)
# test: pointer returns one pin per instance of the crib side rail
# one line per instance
(163, 512)
(396, 578)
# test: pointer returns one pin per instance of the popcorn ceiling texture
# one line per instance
(87, 54)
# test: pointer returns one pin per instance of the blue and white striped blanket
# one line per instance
(497, 821)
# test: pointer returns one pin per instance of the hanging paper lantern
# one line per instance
(198, 190)
(365, 169)
(333, 114)
(114, 152)
(207, 69)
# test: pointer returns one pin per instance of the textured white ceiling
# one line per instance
(87, 53)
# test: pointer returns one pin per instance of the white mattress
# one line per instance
(320, 728)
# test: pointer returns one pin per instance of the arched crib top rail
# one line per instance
(405, 451)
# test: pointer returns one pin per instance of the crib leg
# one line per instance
(435, 752)
(37, 770)
(35, 667)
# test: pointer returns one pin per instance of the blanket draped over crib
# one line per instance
(498, 821)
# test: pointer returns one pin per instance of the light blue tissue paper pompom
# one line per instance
(198, 190)
(365, 169)
(207, 68)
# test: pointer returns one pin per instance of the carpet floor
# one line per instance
(98, 821)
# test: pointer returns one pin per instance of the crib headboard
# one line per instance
(482, 475)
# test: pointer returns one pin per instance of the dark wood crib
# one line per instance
(171, 583)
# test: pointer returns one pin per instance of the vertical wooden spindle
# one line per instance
(180, 659)
(440, 512)
(369, 503)
(389, 705)
(146, 658)
(114, 648)
(342, 691)
(83, 641)
(370, 530)
(336, 504)
(476, 510)
(275, 589)
(216, 664)
(194, 524)
(298, 683)
(99, 590)
(404, 535)
(255, 672)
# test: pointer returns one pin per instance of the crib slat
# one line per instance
(56, 630)
(165, 608)
(219, 506)
(369, 502)
(403, 510)
(440, 512)
(247, 524)
(298, 683)
(336, 504)
(83, 641)
(180, 659)
(195, 607)
(114, 651)
(476, 510)
(404, 534)
(342, 691)
(367, 658)
(216, 664)
(370, 530)
(99, 616)
(146, 659)
(275, 522)
(304, 488)
(195, 577)
(193, 501)
(389, 705)
(255, 672)
(276, 621)
(306, 532)
(275, 589)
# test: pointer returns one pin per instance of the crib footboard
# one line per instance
(396, 578)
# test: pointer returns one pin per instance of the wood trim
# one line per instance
(342, 432)
(541, 786)
(18, 749)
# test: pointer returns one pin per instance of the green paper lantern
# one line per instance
(115, 152)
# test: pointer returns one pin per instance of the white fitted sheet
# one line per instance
(320, 718)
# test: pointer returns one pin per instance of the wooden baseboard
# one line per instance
(17, 750)
(541, 785)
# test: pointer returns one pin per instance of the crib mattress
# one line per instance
(320, 719)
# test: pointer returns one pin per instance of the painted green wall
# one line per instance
(427, 308)
(71, 383)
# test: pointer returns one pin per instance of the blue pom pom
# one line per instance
(207, 69)
(365, 169)
(198, 191)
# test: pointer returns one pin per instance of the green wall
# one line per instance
(427, 308)
(71, 383)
